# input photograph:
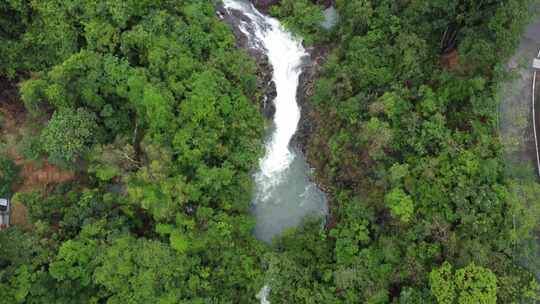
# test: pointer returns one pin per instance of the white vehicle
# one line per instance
(4, 205)
(4, 213)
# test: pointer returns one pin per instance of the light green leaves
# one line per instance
(470, 285)
(68, 135)
(401, 204)
(442, 284)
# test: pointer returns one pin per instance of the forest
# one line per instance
(148, 114)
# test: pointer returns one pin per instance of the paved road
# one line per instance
(515, 120)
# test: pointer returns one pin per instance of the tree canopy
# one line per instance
(151, 102)
(407, 143)
(154, 108)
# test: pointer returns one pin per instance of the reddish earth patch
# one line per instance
(39, 176)
(19, 217)
(450, 60)
(34, 176)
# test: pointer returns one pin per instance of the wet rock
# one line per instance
(268, 106)
(190, 209)
(310, 72)
(264, 5)
(328, 3)
(310, 122)
(265, 84)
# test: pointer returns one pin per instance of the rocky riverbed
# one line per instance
(266, 86)
(284, 193)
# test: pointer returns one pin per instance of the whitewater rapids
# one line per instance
(284, 194)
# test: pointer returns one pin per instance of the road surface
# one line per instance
(515, 116)
(515, 123)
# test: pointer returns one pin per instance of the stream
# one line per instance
(284, 194)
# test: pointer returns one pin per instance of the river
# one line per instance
(284, 194)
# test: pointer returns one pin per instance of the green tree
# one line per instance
(69, 135)
(302, 17)
(442, 284)
(139, 271)
(401, 204)
(9, 173)
(15, 18)
(471, 284)
(476, 284)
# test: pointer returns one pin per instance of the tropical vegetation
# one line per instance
(154, 108)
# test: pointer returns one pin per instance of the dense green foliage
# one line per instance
(68, 134)
(154, 108)
(408, 144)
(302, 16)
(8, 175)
(471, 284)
(152, 103)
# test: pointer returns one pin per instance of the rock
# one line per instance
(265, 84)
(308, 121)
(328, 3)
(264, 5)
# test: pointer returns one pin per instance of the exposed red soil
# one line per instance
(450, 60)
(39, 176)
(34, 176)
(19, 217)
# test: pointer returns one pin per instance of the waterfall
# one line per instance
(284, 193)
(286, 55)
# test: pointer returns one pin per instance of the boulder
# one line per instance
(264, 5)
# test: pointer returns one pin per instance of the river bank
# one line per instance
(265, 85)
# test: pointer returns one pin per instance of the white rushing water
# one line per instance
(286, 55)
(284, 194)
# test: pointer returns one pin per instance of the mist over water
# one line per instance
(284, 193)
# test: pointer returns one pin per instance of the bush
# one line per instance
(302, 17)
(8, 175)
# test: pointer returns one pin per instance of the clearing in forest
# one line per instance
(33, 175)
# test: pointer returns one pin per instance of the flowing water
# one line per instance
(284, 193)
